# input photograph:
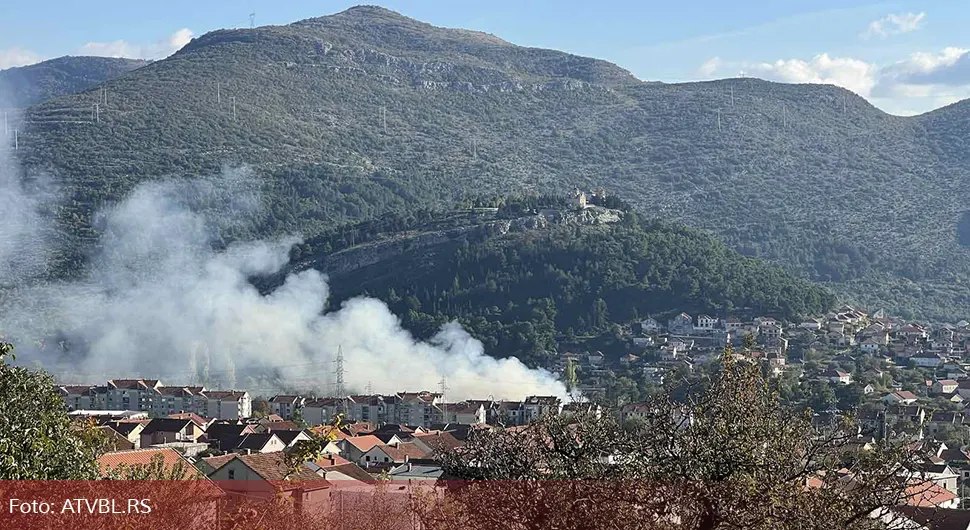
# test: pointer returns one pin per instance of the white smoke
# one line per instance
(160, 302)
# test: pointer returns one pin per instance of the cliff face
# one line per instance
(481, 226)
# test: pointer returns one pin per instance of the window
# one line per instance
(367, 458)
(232, 474)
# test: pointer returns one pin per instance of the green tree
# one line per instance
(729, 456)
(38, 441)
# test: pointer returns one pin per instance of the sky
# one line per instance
(906, 57)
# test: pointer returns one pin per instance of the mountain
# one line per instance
(348, 116)
(37, 83)
(524, 276)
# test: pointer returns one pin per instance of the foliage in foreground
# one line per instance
(725, 456)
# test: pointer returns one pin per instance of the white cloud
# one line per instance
(853, 74)
(893, 24)
(122, 48)
(17, 56)
(920, 82)
(710, 67)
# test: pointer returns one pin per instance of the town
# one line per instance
(898, 379)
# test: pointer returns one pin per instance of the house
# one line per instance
(813, 324)
(634, 410)
(914, 414)
(595, 359)
(870, 345)
(901, 397)
(265, 442)
(649, 325)
(291, 437)
(837, 377)
(926, 360)
(353, 448)
(285, 405)
(387, 455)
(732, 324)
(930, 518)
(464, 412)
(228, 404)
(415, 472)
(943, 419)
(339, 471)
(770, 330)
(436, 442)
(226, 434)
(706, 323)
(540, 406)
(168, 430)
(170, 459)
(868, 389)
(130, 429)
(682, 324)
(944, 386)
(114, 440)
(643, 342)
(267, 476)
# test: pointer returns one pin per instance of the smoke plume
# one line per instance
(163, 299)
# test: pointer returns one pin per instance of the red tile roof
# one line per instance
(364, 443)
(218, 461)
(404, 451)
(272, 468)
(139, 457)
(928, 494)
(439, 441)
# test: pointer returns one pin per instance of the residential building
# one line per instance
(228, 404)
(167, 430)
(322, 411)
(900, 397)
(539, 406)
(944, 386)
(285, 406)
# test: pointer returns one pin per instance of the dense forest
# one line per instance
(524, 291)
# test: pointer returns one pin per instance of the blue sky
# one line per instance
(905, 57)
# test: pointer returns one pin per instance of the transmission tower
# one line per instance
(338, 372)
(443, 385)
(252, 20)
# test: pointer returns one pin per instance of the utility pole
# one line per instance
(444, 404)
(718, 120)
(16, 139)
(234, 108)
(219, 94)
(97, 113)
(339, 373)
(104, 96)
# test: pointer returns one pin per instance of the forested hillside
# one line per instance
(530, 275)
(28, 85)
(348, 116)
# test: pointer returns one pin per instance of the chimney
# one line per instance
(409, 467)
